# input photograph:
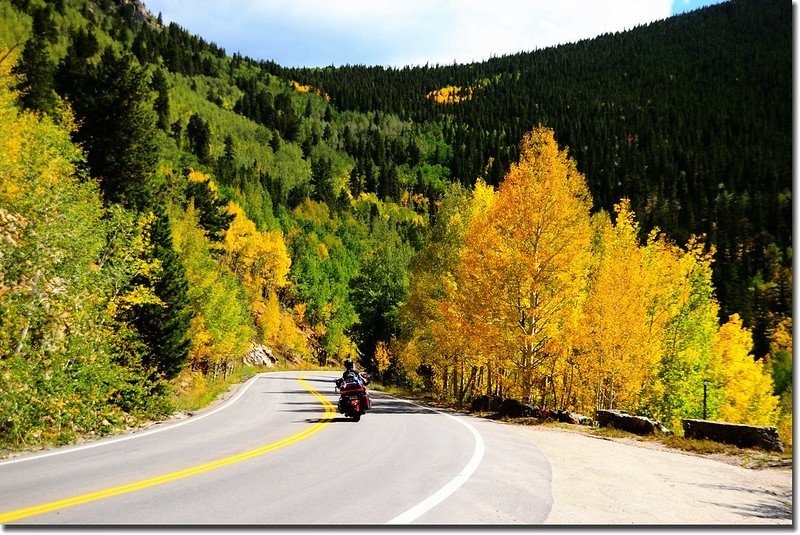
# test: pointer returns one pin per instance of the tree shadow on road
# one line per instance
(766, 504)
(379, 406)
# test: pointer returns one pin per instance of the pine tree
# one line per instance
(213, 216)
(164, 326)
(37, 86)
(198, 133)
(160, 85)
(117, 126)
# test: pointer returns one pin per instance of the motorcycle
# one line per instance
(354, 399)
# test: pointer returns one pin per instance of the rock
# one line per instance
(516, 409)
(743, 436)
(572, 418)
(260, 355)
(486, 403)
(640, 425)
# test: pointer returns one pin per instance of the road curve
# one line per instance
(277, 454)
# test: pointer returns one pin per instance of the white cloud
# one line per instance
(401, 32)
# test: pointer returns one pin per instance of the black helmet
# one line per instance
(348, 364)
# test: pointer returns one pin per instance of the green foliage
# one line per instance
(68, 365)
(36, 69)
(117, 126)
(160, 85)
(326, 252)
(222, 327)
(211, 208)
(198, 134)
(687, 359)
(379, 290)
(163, 325)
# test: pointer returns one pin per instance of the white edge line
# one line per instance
(443, 493)
(191, 419)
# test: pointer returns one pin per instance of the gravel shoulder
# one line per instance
(601, 481)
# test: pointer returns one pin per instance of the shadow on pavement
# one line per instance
(336, 420)
(379, 406)
(765, 504)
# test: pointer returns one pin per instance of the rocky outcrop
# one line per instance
(744, 436)
(140, 11)
(260, 356)
(623, 421)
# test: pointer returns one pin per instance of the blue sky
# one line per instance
(404, 32)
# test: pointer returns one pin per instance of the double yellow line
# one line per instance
(330, 411)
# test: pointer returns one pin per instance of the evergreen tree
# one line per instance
(117, 126)
(37, 85)
(118, 133)
(198, 133)
(164, 326)
(160, 85)
(85, 44)
(213, 215)
(322, 181)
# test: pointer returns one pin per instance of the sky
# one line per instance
(318, 33)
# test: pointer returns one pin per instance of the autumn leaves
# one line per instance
(544, 301)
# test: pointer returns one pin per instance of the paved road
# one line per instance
(277, 454)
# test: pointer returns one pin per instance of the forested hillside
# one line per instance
(690, 118)
(165, 207)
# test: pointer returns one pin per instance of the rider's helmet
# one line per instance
(348, 364)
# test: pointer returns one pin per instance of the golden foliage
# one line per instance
(382, 357)
(259, 259)
(747, 386)
(451, 94)
(618, 344)
(523, 271)
(300, 88)
(525, 289)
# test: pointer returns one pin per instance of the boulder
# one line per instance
(260, 355)
(573, 418)
(517, 409)
(640, 425)
(486, 403)
(743, 436)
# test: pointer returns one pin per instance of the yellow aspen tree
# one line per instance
(382, 357)
(523, 270)
(259, 259)
(455, 336)
(623, 325)
(689, 313)
(747, 387)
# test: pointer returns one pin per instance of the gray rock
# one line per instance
(572, 418)
(516, 409)
(743, 436)
(640, 425)
(260, 355)
(485, 403)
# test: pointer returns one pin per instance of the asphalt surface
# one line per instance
(276, 453)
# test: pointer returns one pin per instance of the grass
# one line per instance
(749, 457)
(198, 398)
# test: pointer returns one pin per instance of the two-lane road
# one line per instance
(277, 453)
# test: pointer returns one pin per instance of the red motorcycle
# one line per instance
(353, 396)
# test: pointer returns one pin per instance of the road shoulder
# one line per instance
(597, 481)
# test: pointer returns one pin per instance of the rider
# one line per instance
(350, 371)
(362, 379)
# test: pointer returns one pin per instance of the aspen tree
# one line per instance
(523, 271)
